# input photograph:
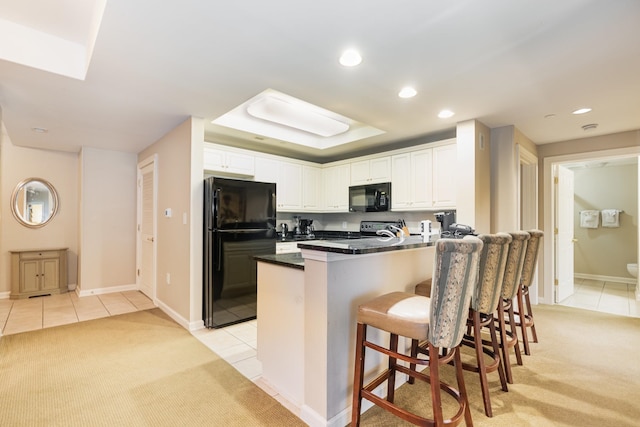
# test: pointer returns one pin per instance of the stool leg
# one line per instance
(503, 342)
(434, 382)
(512, 326)
(414, 354)
(461, 387)
(358, 375)
(496, 350)
(391, 380)
(482, 370)
(523, 322)
(530, 314)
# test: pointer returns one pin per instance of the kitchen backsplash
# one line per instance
(351, 221)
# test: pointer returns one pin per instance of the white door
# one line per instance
(564, 233)
(147, 228)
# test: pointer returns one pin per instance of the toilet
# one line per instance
(633, 269)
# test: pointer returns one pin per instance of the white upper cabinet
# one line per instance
(336, 188)
(411, 181)
(444, 176)
(424, 179)
(229, 162)
(311, 189)
(371, 171)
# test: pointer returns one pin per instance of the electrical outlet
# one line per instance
(344, 225)
(168, 278)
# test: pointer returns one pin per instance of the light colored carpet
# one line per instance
(137, 369)
(584, 372)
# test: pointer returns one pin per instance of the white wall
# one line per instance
(107, 220)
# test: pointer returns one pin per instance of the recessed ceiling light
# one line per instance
(350, 58)
(39, 130)
(407, 92)
(581, 111)
(445, 114)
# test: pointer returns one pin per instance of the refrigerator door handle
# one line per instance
(218, 265)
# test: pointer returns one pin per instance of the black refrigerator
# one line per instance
(239, 223)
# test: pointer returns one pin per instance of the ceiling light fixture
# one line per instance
(39, 130)
(350, 58)
(301, 116)
(407, 92)
(581, 111)
(445, 114)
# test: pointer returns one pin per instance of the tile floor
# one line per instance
(607, 297)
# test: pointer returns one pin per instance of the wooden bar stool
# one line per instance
(510, 285)
(484, 304)
(439, 320)
(524, 315)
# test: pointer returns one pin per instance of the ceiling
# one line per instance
(146, 66)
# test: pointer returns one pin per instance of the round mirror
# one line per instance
(34, 202)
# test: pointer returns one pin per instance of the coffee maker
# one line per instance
(306, 227)
(445, 219)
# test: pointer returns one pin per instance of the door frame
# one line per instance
(550, 206)
(528, 201)
(151, 160)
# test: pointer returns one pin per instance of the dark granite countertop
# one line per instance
(293, 260)
(368, 245)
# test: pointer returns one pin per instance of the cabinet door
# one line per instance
(421, 180)
(213, 159)
(380, 170)
(241, 164)
(311, 188)
(266, 170)
(401, 182)
(228, 162)
(360, 172)
(50, 274)
(289, 187)
(336, 188)
(444, 176)
(29, 276)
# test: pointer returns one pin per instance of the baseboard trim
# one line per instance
(109, 290)
(627, 280)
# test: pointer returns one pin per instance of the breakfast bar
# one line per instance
(307, 304)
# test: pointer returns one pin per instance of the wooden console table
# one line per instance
(38, 272)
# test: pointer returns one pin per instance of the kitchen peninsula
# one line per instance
(307, 304)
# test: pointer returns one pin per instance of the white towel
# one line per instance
(589, 219)
(610, 218)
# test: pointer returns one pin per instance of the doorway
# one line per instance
(554, 268)
(146, 228)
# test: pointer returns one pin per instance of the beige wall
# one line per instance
(107, 220)
(61, 170)
(179, 245)
(588, 146)
(606, 251)
(473, 198)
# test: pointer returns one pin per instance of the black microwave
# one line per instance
(370, 197)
